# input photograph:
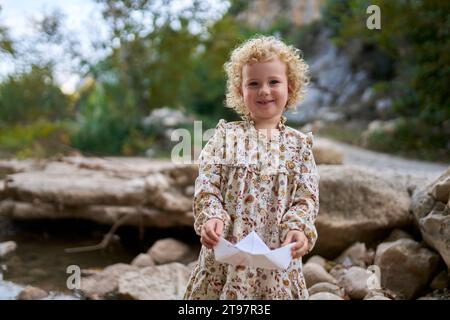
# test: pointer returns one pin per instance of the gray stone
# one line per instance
(32, 293)
(324, 296)
(432, 214)
(406, 267)
(170, 250)
(143, 260)
(105, 283)
(317, 260)
(441, 281)
(164, 282)
(356, 255)
(397, 234)
(7, 247)
(357, 282)
(315, 273)
(357, 205)
(326, 287)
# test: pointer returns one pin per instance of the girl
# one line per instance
(257, 174)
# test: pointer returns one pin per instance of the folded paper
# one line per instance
(253, 252)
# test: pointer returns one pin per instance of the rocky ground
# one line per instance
(384, 223)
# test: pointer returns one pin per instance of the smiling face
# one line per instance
(265, 91)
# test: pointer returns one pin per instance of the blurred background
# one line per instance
(88, 75)
(99, 85)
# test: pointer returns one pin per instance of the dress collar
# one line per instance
(281, 124)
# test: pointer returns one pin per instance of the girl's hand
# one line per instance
(301, 243)
(211, 232)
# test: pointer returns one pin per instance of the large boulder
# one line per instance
(171, 250)
(143, 260)
(325, 296)
(326, 152)
(104, 214)
(406, 267)
(165, 282)
(104, 284)
(356, 255)
(32, 293)
(7, 247)
(150, 193)
(358, 205)
(326, 287)
(357, 282)
(315, 273)
(431, 210)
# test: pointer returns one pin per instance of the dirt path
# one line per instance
(381, 161)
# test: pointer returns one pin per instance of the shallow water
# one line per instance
(40, 259)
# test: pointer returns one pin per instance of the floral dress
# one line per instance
(254, 182)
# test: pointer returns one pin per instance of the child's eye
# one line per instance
(252, 83)
(274, 81)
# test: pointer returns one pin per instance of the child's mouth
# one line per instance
(265, 102)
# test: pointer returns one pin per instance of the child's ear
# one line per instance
(240, 91)
(290, 89)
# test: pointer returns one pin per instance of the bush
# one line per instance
(38, 140)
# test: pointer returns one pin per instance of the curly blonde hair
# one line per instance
(261, 49)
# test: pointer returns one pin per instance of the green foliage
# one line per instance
(408, 139)
(106, 116)
(27, 96)
(414, 34)
(41, 138)
(204, 93)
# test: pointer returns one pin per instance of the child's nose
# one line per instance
(264, 90)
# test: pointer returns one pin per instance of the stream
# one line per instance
(40, 259)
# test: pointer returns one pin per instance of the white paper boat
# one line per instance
(253, 252)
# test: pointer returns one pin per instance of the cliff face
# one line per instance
(262, 13)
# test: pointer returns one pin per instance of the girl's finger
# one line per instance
(211, 234)
(302, 251)
(219, 229)
(207, 243)
(288, 240)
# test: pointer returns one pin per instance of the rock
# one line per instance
(149, 217)
(406, 267)
(192, 265)
(356, 255)
(326, 152)
(189, 191)
(326, 287)
(7, 247)
(428, 298)
(38, 273)
(15, 166)
(104, 283)
(163, 195)
(165, 282)
(374, 293)
(143, 260)
(432, 214)
(357, 205)
(324, 296)
(315, 273)
(32, 293)
(358, 281)
(170, 250)
(397, 234)
(317, 260)
(378, 298)
(338, 271)
(441, 281)
(2, 189)
(103, 191)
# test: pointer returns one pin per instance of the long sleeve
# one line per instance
(305, 206)
(208, 201)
